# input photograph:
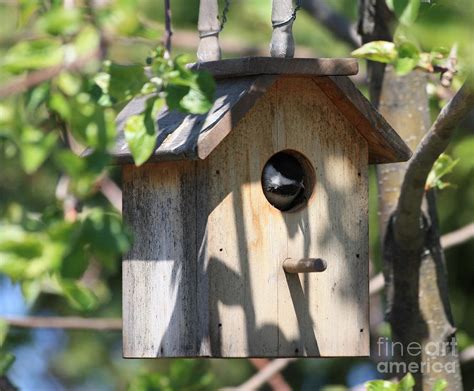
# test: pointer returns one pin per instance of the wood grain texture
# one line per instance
(205, 275)
(159, 272)
(247, 66)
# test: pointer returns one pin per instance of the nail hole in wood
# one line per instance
(357, 255)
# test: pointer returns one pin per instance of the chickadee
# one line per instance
(282, 180)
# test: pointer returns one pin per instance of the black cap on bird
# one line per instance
(282, 180)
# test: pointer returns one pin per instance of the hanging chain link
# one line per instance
(223, 17)
(291, 18)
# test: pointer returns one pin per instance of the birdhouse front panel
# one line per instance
(205, 276)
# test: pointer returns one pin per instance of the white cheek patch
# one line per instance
(276, 178)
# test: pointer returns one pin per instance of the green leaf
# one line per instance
(140, 134)
(125, 81)
(380, 51)
(60, 21)
(84, 171)
(407, 383)
(408, 58)
(441, 167)
(78, 296)
(380, 385)
(91, 124)
(200, 97)
(440, 385)
(35, 147)
(6, 361)
(3, 331)
(87, 40)
(68, 83)
(58, 103)
(105, 236)
(31, 289)
(16, 241)
(36, 97)
(76, 259)
(406, 11)
(34, 54)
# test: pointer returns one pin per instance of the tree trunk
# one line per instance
(416, 283)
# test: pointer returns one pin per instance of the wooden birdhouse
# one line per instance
(222, 264)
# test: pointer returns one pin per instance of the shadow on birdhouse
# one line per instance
(251, 221)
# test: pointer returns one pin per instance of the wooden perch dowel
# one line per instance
(304, 265)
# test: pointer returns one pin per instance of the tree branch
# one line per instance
(262, 376)
(335, 22)
(407, 223)
(277, 381)
(458, 236)
(59, 322)
(6, 384)
(168, 32)
(448, 240)
(23, 83)
(112, 192)
(467, 355)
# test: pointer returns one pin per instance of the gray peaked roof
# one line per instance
(240, 83)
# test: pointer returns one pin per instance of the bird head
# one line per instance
(282, 180)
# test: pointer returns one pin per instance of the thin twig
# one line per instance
(6, 384)
(458, 236)
(467, 355)
(60, 322)
(335, 22)
(262, 376)
(448, 240)
(277, 381)
(451, 67)
(168, 31)
(112, 192)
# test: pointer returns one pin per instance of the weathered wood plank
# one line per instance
(179, 135)
(321, 314)
(385, 145)
(183, 137)
(159, 272)
(247, 66)
(255, 308)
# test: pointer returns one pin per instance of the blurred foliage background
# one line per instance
(61, 238)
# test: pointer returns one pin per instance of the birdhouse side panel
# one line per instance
(255, 308)
(159, 271)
